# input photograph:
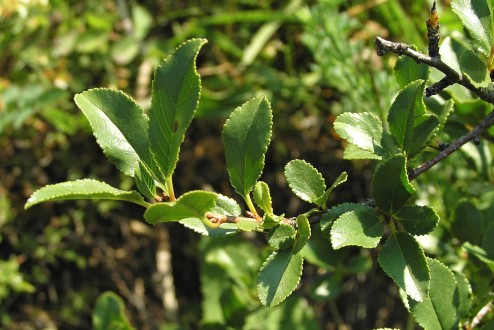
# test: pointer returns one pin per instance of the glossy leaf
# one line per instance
(476, 19)
(176, 91)
(439, 309)
(262, 197)
(119, 125)
(358, 228)
(282, 237)
(330, 216)
(279, 276)
(144, 181)
(193, 204)
(390, 186)
(364, 130)
(246, 136)
(109, 313)
(404, 261)
(303, 228)
(423, 131)
(304, 180)
(407, 105)
(82, 189)
(324, 197)
(417, 220)
(406, 70)
(460, 57)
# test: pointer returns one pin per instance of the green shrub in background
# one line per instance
(229, 295)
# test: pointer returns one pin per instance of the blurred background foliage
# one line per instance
(313, 59)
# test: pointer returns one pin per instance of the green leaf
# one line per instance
(423, 131)
(460, 57)
(282, 237)
(480, 253)
(358, 227)
(262, 197)
(144, 181)
(407, 105)
(363, 130)
(248, 225)
(109, 313)
(406, 70)
(246, 136)
(324, 197)
(467, 223)
(465, 295)
(200, 227)
(417, 220)
(404, 261)
(390, 186)
(439, 310)
(83, 189)
(193, 204)
(176, 91)
(304, 180)
(119, 125)
(476, 19)
(330, 216)
(353, 152)
(279, 276)
(303, 228)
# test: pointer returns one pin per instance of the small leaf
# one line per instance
(119, 125)
(262, 197)
(144, 181)
(109, 313)
(226, 205)
(279, 276)
(423, 131)
(467, 223)
(359, 228)
(282, 237)
(417, 220)
(304, 180)
(334, 213)
(406, 70)
(82, 189)
(176, 91)
(353, 152)
(303, 228)
(476, 19)
(324, 198)
(248, 225)
(200, 227)
(390, 186)
(439, 309)
(363, 130)
(407, 105)
(193, 204)
(246, 136)
(404, 261)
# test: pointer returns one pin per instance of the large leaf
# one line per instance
(359, 228)
(246, 136)
(176, 91)
(440, 309)
(109, 313)
(390, 186)
(404, 261)
(279, 276)
(363, 130)
(476, 19)
(193, 204)
(407, 70)
(82, 189)
(304, 180)
(119, 125)
(407, 105)
(417, 220)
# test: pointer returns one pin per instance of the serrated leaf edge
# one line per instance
(317, 173)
